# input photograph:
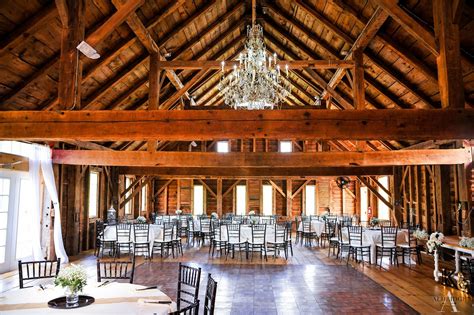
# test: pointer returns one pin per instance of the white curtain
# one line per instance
(48, 176)
(35, 214)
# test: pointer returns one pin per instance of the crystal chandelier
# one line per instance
(255, 83)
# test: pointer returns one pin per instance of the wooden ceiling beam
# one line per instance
(195, 125)
(263, 159)
(88, 145)
(387, 40)
(254, 172)
(413, 27)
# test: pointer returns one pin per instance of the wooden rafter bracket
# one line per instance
(277, 188)
(208, 188)
(162, 188)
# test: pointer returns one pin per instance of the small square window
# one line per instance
(286, 146)
(223, 146)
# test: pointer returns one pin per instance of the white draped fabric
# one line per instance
(40, 156)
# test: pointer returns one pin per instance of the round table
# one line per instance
(316, 226)
(113, 298)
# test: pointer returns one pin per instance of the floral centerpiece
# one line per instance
(251, 212)
(435, 241)
(324, 216)
(73, 279)
(467, 242)
(214, 215)
(374, 222)
(179, 212)
(140, 219)
(421, 235)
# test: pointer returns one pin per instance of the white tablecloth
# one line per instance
(113, 298)
(154, 233)
(373, 237)
(246, 233)
(316, 226)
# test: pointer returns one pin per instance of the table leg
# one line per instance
(436, 267)
(457, 260)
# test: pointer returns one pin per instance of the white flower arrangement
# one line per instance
(374, 221)
(435, 241)
(467, 242)
(73, 277)
(420, 235)
(324, 216)
(214, 215)
(251, 212)
(140, 219)
(179, 212)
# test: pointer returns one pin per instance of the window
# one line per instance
(286, 146)
(198, 200)
(310, 194)
(240, 199)
(24, 239)
(364, 204)
(143, 207)
(267, 199)
(223, 146)
(93, 193)
(383, 210)
(128, 205)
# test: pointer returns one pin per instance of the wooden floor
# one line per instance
(307, 283)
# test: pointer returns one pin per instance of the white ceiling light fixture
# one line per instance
(255, 83)
(87, 50)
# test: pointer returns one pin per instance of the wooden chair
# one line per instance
(177, 242)
(233, 240)
(288, 240)
(218, 242)
(141, 235)
(410, 248)
(33, 270)
(299, 233)
(123, 231)
(388, 245)
(115, 270)
(329, 232)
(192, 309)
(210, 300)
(356, 246)
(205, 229)
(188, 286)
(258, 240)
(278, 242)
(308, 234)
(166, 242)
(101, 242)
(193, 231)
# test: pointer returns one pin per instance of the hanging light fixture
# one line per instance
(255, 82)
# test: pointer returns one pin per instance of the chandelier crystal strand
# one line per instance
(255, 83)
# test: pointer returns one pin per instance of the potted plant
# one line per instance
(72, 279)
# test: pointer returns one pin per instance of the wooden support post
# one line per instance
(358, 74)
(450, 80)
(178, 194)
(219, 197)
(289, 197)
(442, 181)
(70, 67)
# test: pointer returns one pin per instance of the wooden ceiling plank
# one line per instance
(27, 27)
(263, 159)
(201, 125)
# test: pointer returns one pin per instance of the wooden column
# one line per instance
(70, 67)
(446, 27)
(154, 91)
(358, 75)
(219, 197)
(443, 201)
(289, 200)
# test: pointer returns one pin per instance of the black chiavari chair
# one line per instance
(288, 240)
(258, 240)
(278, 241)
(205, 229)
(211, 292)
(308, 234)
(233, 240)
(356, 245)
(123, 239)
(192, 309)
(141, 236)
(388, 245)
(410, 248)
(193, 231)
(188, 286)
(115, 270)
(166, 241)
(219, 242)
(34, 270)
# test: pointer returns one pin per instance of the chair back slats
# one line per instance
(141, 233)
(205, 225)
(355, 235)
(307, 226)
(210, 300)
(188, 285)
(192, 309)
(389, 235)
(280, 233)
(258, 233)
(168, 230)
(123, 232)
(37, 270)
(233, 233)
(115, 270)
